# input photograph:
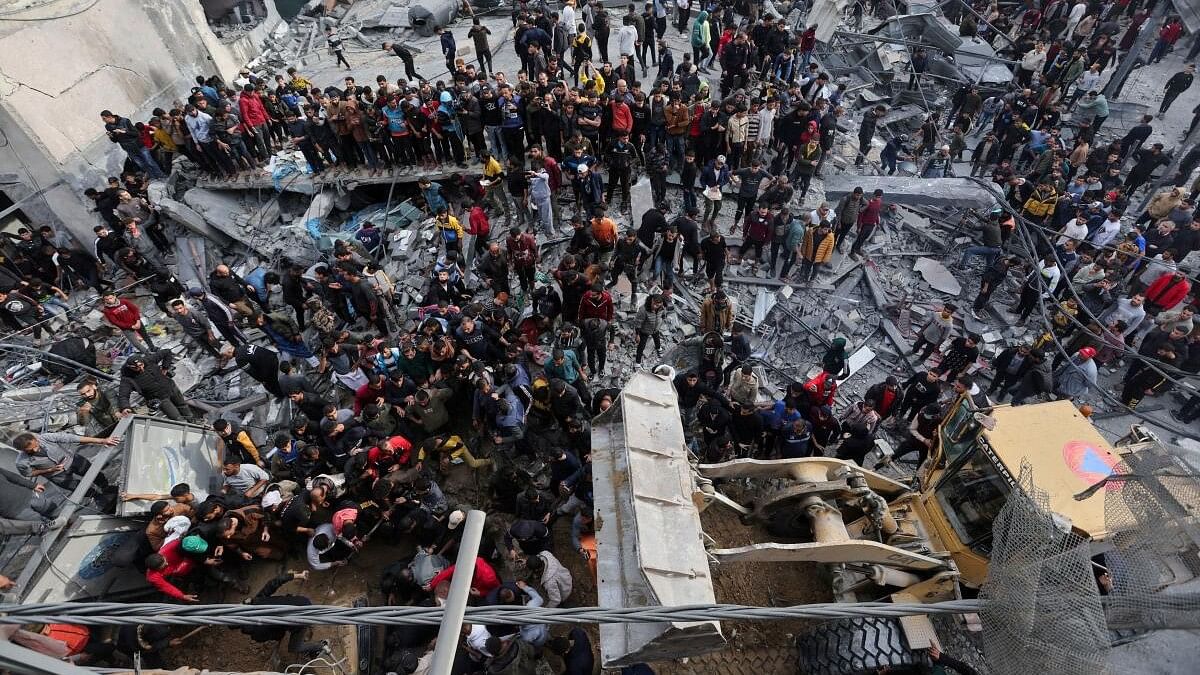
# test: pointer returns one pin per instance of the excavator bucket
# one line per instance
(649, 545)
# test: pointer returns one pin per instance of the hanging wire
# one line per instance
(1026, 233)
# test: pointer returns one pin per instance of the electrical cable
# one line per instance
(1034, 259)
(1030, 255)
(123, 614)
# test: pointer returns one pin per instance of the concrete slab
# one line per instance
(858, 360)
(959, 192)
(936, 275)
(641, 199)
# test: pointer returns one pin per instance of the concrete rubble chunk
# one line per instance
(936, 275)
(958, 192)
(231, 214)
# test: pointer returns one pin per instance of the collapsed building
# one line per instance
(877, 302)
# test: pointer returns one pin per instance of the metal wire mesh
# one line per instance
(1043, 612)
(1155, 561)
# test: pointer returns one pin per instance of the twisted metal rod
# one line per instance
(123, 614)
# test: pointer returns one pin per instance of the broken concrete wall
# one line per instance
(77, 66)
(961, 192)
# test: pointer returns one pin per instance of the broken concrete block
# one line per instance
(974, 326)
(844, 319)
(991, 336)
(937, 276)
(957, 192)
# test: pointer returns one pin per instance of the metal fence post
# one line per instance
(460, 591)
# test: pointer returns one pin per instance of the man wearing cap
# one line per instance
(589, 186)
(219, 314)
(170, 561)
(1073, 378)
(713, 177)
(939, 165)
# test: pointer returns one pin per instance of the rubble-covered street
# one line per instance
(821, 309)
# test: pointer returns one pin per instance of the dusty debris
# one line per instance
(936, 275)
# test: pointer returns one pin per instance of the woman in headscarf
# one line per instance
(835, 360)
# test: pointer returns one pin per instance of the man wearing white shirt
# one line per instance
(1073, 19)
(567, 19)
(1075, 230)
(1108, 230)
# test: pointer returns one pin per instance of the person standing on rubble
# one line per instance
(126, 317)
(917, 66)
(405, 55)
(748, 181)
(847, 213)
(939, 165)
(816, 249)
(866, 132)
(220, 315)
(122, 132)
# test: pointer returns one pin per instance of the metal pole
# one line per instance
(17, 204)
(50, 356)
(460, 591)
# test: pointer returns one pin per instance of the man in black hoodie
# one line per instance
(150, 375)
(920, 390)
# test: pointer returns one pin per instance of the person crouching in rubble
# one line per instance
(151, 376)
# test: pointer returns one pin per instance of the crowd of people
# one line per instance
(498, 365)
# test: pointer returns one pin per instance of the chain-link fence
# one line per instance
(1151, 505)
(1043, 611)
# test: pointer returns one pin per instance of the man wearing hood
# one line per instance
(834, 361)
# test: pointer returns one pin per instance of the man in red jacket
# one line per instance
(523, 256)
(596, 303)
(1168, 35)
(170, 561)
(868, 220)
(1168, 290)
(126, 316)
(256, 121)
(480, 228)
(483, 582)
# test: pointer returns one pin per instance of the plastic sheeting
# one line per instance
(285, 165)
